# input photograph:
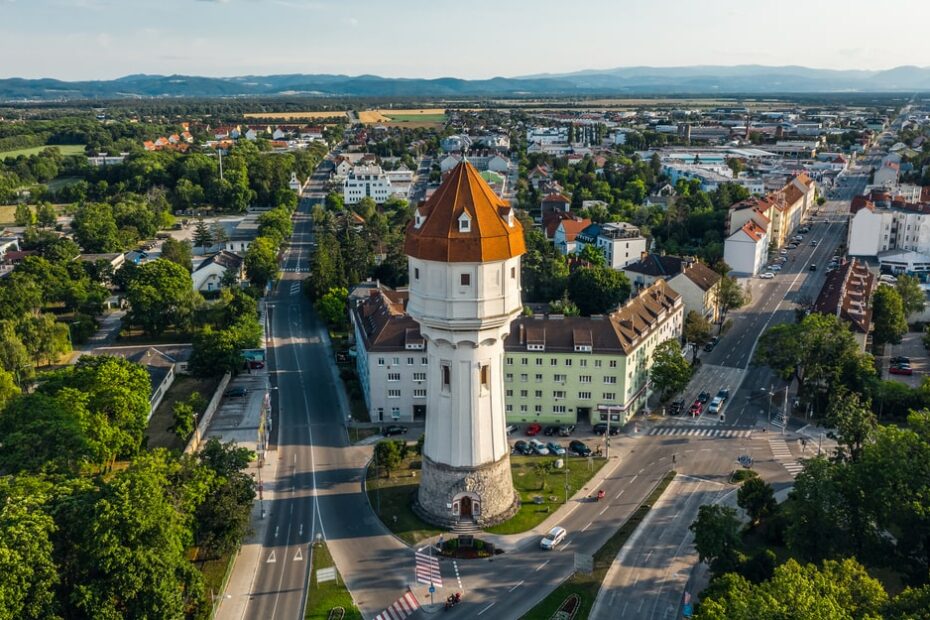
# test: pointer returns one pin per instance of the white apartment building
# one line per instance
(620, 242)
(547, 135)
(367, 181)
(873, 230)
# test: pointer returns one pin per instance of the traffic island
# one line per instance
(540, 486)
(327, 596)
(467, 547)
(586, 586)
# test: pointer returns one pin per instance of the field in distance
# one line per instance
(293, 116)
(66, 149)
(424, 115)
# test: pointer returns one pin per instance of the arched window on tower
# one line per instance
(446, 371)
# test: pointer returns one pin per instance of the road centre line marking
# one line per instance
(633, 479)
(486, 608)
(541, 565)
(605, 510)
(620, 493)
(516, 586)
(587, 526)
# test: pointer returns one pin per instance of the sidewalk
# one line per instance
(239, 419)
(105, 334)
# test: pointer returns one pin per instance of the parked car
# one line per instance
(533, 429)
(601, 427)
(549, 431)
(394, 429)
(555, 448)
(676, 407)
(566, 430)
(256, 365)
(521, 447)
(901, 370)
(579, 447)
(783, 251)
(696, 408)
(236, 392)
(553, 538)
(703, 397)
(538, 447)
(510, 428)
(723, 393)
(711, 344)
(715, 405)
(900, 359)
(814, 243)
(813, 267)
(768, 275)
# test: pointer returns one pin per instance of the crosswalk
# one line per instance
(401, 608)
(300, 269)
(295, 288)
(783, 455)
(698, 431)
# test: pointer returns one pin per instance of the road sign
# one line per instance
(326, 574)
(432, 588)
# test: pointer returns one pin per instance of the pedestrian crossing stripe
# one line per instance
(401, 608)
(783, 455)
(684, 431)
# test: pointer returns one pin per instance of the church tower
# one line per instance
(463, 247)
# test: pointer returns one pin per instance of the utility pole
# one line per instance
(784, 418)
(220, 151)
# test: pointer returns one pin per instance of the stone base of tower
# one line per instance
(449, 495)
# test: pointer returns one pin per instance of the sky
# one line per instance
(105, 39)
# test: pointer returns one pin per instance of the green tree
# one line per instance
(387, 456)
(224, 518)
(854, 422)
(597, 290)
(593, 255)
(276, 224)
(757, 498)
(95, 228)
(716, 537)
(14, 357)
(818, 515)
(888, 318)
(160, 294)
(184, 420)
(8, 388)
(544, 271)
(178, 252)
(670, 371)
(334, 202)
(28, 574)
(332, 306)
(697, 331)
(46, 434)
(24, 215)
(261, 262)
(729, 296)
(912, 294)
(841, 590)
(216, 351)
(203, 237)
(44, 337)
(564, 306)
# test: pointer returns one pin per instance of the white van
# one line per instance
(554, 537)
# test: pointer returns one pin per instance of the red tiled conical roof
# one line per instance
(493, 234)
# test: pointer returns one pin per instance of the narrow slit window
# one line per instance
(446, 377)
(485, 376)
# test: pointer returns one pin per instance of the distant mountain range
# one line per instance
(694, 80)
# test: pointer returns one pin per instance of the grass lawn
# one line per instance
(214, 576)
(586, 586)
(66, 149)
(357, 434)
(136, 336)
(394, 496)
(326, 596)
(528, 484)
(159, 433)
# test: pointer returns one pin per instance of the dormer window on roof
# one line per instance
(464, 222)
(418, 219)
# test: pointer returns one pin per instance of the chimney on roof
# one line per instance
(643, 255)
(522, 334)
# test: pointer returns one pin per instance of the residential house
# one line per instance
(368, 182)
(214, 270)
(693, 280)
(621, 243)
(537, 175)
(846, 294)
(554, 202)
(746, 249)
(566, 232)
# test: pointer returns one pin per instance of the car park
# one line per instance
(703, 397)
(601, 427)
(579, 447)
(553, 538)
(394, 429)
(566, 430)
(533, 429)
(538, 447)
(521, 447)
(768, 275)
(549, 431)
(555, 448)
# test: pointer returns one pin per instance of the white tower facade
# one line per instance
(464, 249)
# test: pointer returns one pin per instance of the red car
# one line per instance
(901, 370)
(696, 408)
(255, 364)
(533, 429)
